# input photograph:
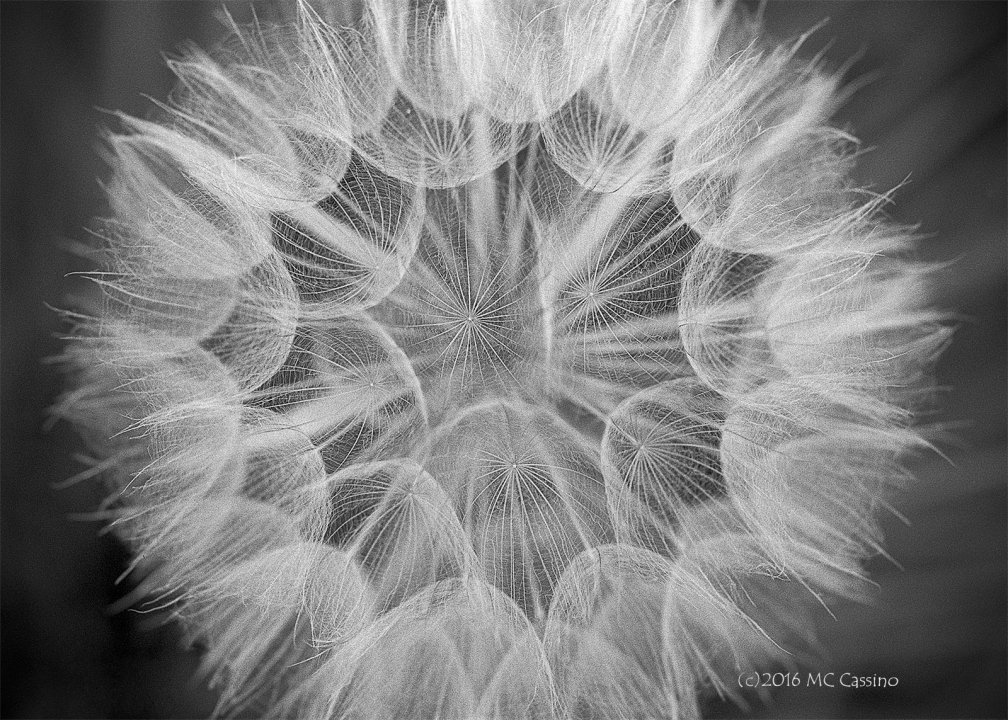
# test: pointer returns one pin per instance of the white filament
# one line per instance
(489, 359)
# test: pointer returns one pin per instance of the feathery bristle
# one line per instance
(497, 359)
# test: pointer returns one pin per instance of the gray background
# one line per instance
(934, 113)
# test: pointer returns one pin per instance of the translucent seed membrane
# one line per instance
(660, 454)
(495, 360)
(529, 494)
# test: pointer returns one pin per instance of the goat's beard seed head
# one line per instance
(497, 360)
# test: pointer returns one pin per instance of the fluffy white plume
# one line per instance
(493, 359)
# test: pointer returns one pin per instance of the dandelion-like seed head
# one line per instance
(496, 359)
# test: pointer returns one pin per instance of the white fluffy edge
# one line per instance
(483, 361)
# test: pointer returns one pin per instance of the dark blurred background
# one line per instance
(932, 112)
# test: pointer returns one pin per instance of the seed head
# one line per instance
(497, 359)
